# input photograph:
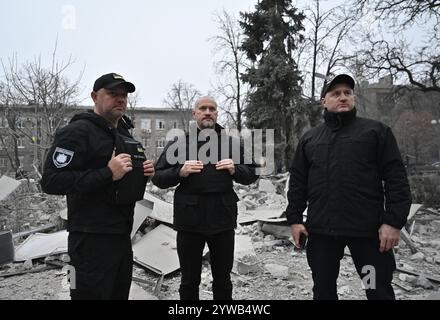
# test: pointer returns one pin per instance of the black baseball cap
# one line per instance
(341, 78)
(112, 80)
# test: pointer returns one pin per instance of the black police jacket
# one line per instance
(204, 202)
(76, 166)
(349, 174)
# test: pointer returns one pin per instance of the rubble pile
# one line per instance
(26, 208)
(266, 264)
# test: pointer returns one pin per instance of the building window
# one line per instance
(4, 122)
(160, 124)
(3, 162)
(146, 143)
(30, 123)
(160, 143)
(20, 143)
(175, 125)
(19, 123)
(146, 124)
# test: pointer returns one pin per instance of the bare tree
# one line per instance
(35, 100)
(403, 13)
(324, 46)
(182, 97)
(420, 68)
(230, 87)
(132, 103)
(417, 66)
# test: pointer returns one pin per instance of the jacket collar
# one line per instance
(337, 120)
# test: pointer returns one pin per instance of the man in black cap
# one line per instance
(103, 171)
(349, 174)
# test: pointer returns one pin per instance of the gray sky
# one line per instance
(151, 43)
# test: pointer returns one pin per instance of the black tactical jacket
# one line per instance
(204, 202)
(349, 173)
(76, 166)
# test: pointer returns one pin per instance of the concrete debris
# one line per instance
(280, 231)
(421, 281)
(264, 257)
(417, 257)
(266, 186)
(434, 296)
(161, 240)
(277, 271)
(161, 210)
(7, 187)
(407, 278)
(344, 290)
(41, 245)
(27, 265)
(63, 214)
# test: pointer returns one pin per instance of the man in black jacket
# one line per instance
(349, 173)
(102, 170)
(205, 204)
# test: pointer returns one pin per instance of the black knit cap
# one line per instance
(341, 78)
(112, 80)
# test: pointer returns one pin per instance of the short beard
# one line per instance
(207, 125)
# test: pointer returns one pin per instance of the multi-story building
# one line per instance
(413, 115)
(29, 124)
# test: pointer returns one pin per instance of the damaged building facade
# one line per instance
(23, 130)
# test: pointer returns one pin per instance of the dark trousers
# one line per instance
(324, 254)
(221, 252)
(101, 266)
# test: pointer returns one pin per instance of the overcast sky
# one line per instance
(151, 43)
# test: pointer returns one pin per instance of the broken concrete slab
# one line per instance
(266, 185)
(277, 271)
(142, 210)
(7, 186)
(41, 245)
(138, 293)
(415, 207)
(63, 214)
(434, 296)
(245, 257)
(162, 211)
(262, 214)
(156, 250)
(279, 230)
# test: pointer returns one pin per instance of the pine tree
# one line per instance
(272, 33)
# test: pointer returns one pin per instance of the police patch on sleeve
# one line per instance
(62, 157)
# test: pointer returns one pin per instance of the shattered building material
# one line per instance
(415, 207)
(6, 247)
(250, 216)
(435, 279)
(41, 245)
(280, 230)
(35, 230)
(245, 257)
(7, 186)
(142, 210)
(162, 211)
(63, 214)
(34, 270)
(156, 250)
(407, 239)
(137, 293)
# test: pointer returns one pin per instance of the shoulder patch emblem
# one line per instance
(62, 157)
